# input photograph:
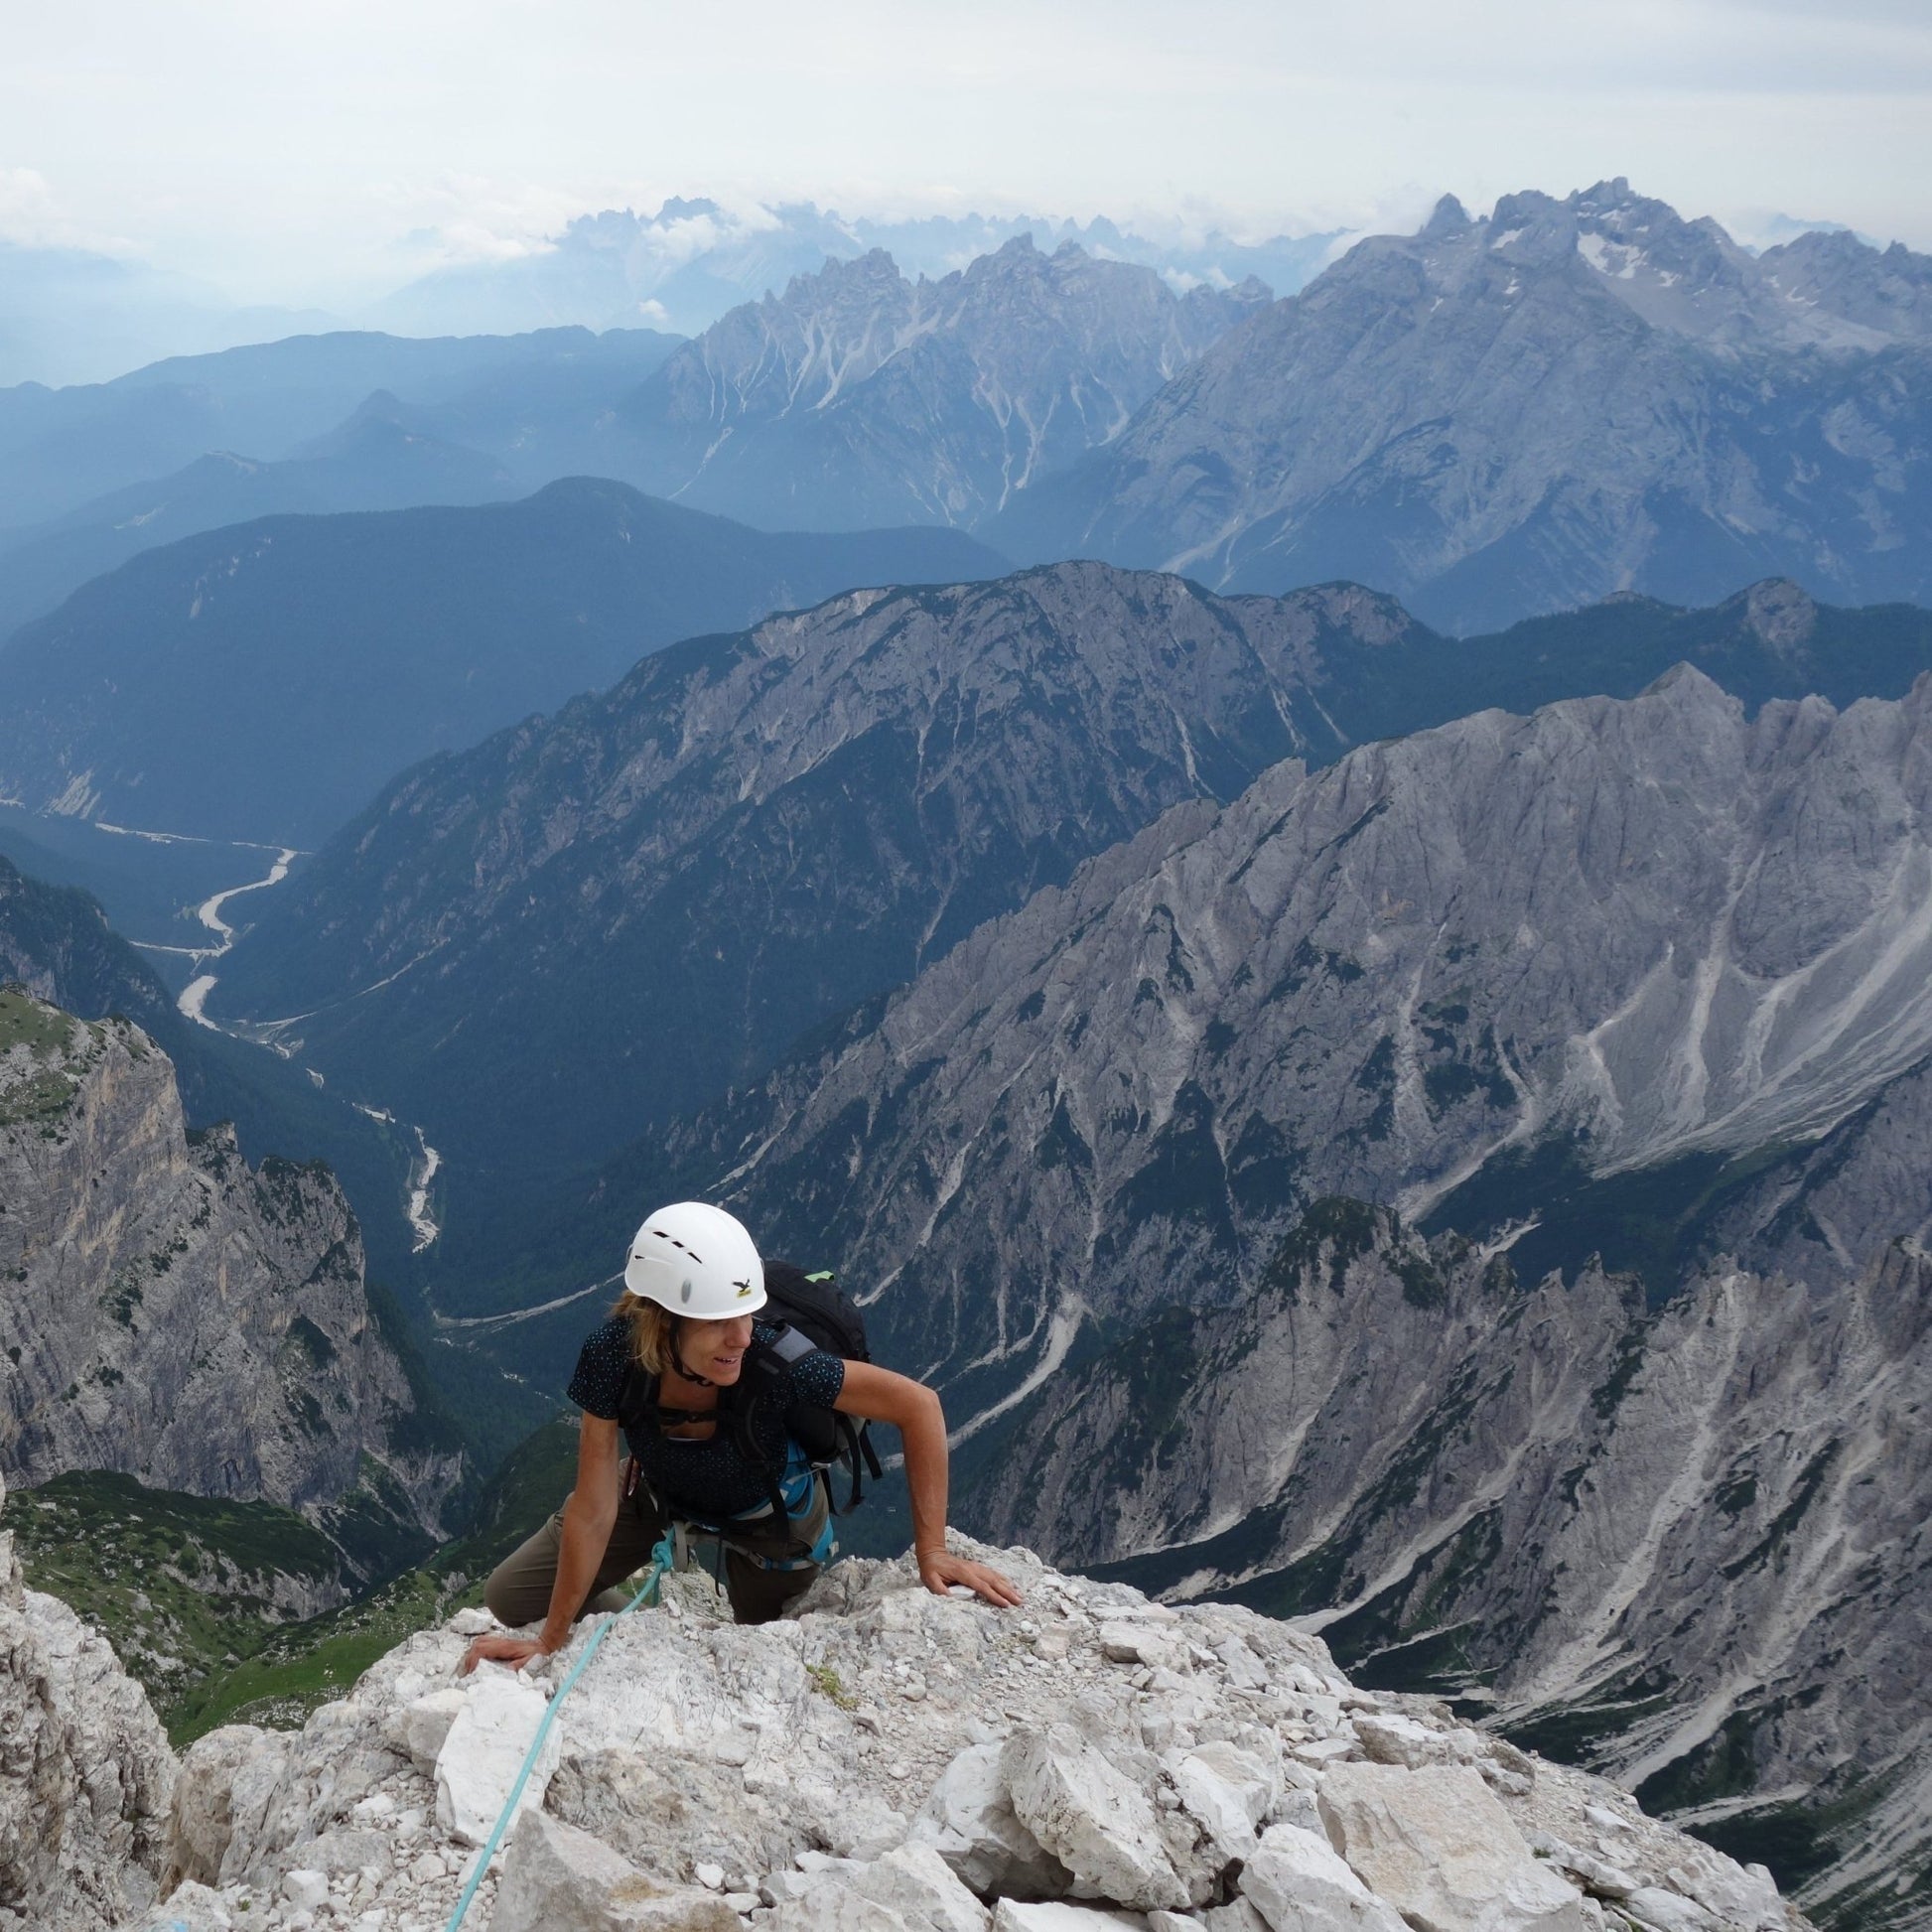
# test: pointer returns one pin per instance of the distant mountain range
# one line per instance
(857, 398)
(62, 449)
(861, 397)
(686, 265)
(73, 315)
(260, 681)
(754, 832)
(1489, 419)
(1494, 418)
(371, 462)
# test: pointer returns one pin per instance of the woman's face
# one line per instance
(715, 1349)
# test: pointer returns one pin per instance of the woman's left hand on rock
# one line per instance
(942, 1570)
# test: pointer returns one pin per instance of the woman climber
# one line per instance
(710, 1402)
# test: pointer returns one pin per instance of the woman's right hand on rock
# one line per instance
(493, 1649)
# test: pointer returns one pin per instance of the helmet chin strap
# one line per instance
(677, 1357)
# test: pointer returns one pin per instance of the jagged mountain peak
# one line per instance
(862, 396)
(1522, 413)
(1689, 690)
(1450, 217)
(1684, 276)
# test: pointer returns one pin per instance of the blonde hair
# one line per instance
(652, 1330)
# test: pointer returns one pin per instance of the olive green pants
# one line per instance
(519, 1587)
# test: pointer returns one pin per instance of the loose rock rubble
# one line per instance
(892, 1761)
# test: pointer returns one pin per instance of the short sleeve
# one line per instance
(601, 1365)
(818, 1378)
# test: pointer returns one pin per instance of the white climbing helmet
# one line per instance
(695, 1258)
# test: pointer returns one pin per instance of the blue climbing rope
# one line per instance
(662, 1558)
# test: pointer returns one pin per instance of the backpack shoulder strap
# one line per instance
(637, 1398)
(788, 1347)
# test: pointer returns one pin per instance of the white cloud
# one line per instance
(306, 140)
(32, 216)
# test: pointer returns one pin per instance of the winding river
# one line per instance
(193, 1005)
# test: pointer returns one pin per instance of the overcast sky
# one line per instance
(304, 149)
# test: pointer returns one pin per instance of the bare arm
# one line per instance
(913, 1410)
(587, 1516)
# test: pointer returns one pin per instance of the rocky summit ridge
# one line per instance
(882, 1761)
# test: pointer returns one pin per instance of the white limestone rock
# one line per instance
(969, 1819)
(1229, 1791)
(420, 1727)
(1387, 1738)
(1439, 1847)
(557, 1878)
(783, 1759)
(200, 1820)
(1237, 1915)
(348, 1849)
(485, 1749)
(305, 1890)
(916, 1882)
(85, 1772)
(1745, 1895)
(1100, 1824)
(1299, 1884)
(1058, 1915)
(190, 1907)
(911, 1889)
(1669, 1911)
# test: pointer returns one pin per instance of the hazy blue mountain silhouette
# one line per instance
(262, 680)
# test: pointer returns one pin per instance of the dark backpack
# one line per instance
(816, 1308)
(811, 1313)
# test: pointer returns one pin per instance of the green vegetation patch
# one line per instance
(51, 1040)
(302, 1666)
(1342, 1228)
(1580, 1731)
(42, 1030)
(183, 1587)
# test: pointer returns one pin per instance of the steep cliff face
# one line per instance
(1687, 1547)
(86, 1777)
(170, 1312)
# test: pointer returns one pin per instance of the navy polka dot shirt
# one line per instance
(710, 1479)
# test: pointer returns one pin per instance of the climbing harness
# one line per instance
(663, 1558)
